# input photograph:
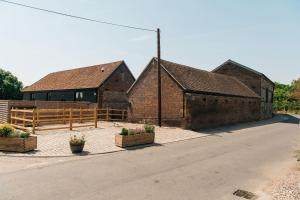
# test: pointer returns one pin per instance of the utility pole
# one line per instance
(158, 78)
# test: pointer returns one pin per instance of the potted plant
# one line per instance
(77, 143)
(16, 140)
(133, 137)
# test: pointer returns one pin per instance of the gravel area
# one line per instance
(287, 188)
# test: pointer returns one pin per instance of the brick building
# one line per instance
(255, 80)
(104, 84)
(191, 98)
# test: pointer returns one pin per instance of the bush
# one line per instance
(6, 130)
(19, 134)
(77, 141)
(23, 134)
(131, 132)
(149, 128)
(124, 131)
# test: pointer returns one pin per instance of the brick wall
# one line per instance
(266, 104)
(113, 92)
(250, 79)
(257, 83)
(144, 102)
(207, 111)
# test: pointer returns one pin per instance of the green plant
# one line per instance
(77, 141)
(24, 134)
(19, 134)
(6, 130)
(149, 128)
(131, 132)
(124, 131)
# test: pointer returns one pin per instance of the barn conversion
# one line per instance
(191, 98)
(256, 81)
(104, 84)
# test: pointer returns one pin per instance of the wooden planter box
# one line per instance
(133, 140)
(20, 145)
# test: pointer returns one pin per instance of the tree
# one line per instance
(281, 96)
(10, 86)
(287, 97)
(296, 90)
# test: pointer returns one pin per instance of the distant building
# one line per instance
(255, 80)
(191, 98)
(104, 84)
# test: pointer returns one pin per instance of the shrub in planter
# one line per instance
(133, 137)
(124, 131)
(77, 143)
(149, 128)
(15, 140)
(6, 130)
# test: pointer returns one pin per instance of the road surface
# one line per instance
(206, 168)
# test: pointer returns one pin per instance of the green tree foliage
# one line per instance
(296, 89)
(287, 97)
(10, 86)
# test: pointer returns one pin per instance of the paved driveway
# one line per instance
(98, 140)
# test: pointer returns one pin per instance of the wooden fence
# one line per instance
(33, 119)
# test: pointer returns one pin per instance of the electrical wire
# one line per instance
(78, 17)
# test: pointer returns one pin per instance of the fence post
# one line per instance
(107, 117)
(70, 119)
(122, 115)
(80, 115)
(95, 116)
(37, 117)
(33, 121)
(64, 113)
(11, 115)
(24, 118)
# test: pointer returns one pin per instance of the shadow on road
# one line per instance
(280, 118)
(139, 147)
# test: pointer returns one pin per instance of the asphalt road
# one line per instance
(206, 168)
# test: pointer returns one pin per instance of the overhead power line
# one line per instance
(78, 17)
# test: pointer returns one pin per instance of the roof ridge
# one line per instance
(202, 70)
(244, 66)
(77, 68)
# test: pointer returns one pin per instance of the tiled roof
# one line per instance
(79, 78)
(243, 67)
(196, 80)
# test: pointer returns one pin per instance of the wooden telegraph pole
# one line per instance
(159, 78)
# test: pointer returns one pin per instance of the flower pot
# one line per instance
(76, 148)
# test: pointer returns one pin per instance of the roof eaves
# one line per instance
(219, 94)
(173, 77)
(103, 81)
(140, 76)
(240, 65)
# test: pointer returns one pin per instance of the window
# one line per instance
(32, 96)
(48, 96)
(79, 96)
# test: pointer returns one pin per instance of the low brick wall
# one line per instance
(208, 111)
(6, 105)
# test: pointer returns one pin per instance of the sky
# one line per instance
(263, 35)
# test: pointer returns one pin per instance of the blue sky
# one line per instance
(263, 35)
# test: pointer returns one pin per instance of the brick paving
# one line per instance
(98, 140)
